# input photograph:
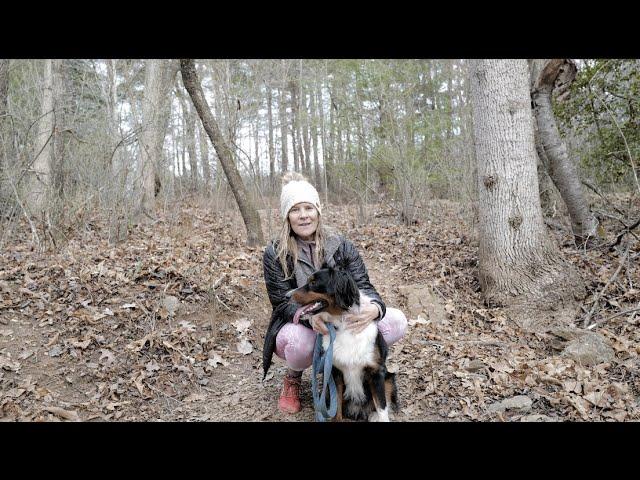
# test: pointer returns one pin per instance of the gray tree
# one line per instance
(247, 209)
(547, 75)
(520, 267)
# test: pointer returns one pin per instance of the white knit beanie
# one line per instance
(295, 189)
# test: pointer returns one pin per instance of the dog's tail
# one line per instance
(391, 390)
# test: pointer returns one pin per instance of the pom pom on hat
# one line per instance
(296, 189)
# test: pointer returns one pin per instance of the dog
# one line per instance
(365, 388)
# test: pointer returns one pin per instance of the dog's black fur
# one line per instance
(333, 291)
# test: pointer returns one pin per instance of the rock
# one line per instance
(475, 366)
(171, 304)
(519, 402)
(422, 301)
(589, 349)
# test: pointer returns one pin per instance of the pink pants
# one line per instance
(294, 343)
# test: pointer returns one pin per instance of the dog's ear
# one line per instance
(346, 289)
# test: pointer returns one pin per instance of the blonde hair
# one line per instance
(286, 239)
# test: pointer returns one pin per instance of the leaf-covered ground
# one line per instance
(169, 326)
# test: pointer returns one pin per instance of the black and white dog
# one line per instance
(366, 389)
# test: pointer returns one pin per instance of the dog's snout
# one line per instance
(289, 293)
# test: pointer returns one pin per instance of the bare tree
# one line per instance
(40, 179)
(520, 266)
(4, 111)
(159, 76)
(545, 76)
(247, 209)
(272, 156)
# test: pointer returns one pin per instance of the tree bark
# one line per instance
(204, 159)
(272, 156)
(42, 165)
(283, 131)
(304, 121)
(247, 209)
(159, 75)
(519, 266)
(546, 75)
(314, 141)
(189, 138)
(5, 136)
(149, 151)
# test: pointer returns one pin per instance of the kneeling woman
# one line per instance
(301, 248)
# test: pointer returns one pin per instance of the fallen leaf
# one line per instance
(195, 397)
(82, 345)
(242, 325)
(244, 346)
(108, 354)
(71, 415)
(216, 359)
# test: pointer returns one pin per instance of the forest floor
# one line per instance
(169, 325)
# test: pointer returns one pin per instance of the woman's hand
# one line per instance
(357, 322)
(317, 322)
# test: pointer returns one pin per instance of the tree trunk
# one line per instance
(189, 139)
(304, 120)
(41, 169)
(314, 141)
(247, 209)
(519, 266)
(5, 136)
(323, 136)
(158, 76)
(272, 156)
(545, 74)
(204, 159)
(60, 126)
(283, 131)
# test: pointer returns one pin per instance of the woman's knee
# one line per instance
(294, 344)
(393, 325)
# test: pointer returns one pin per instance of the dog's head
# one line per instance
(329, 289)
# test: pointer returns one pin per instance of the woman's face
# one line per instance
(303, 218)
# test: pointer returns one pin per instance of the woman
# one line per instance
(302, 246)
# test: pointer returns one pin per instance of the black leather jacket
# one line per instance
(338, 251)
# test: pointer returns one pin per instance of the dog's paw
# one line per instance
(382, 416)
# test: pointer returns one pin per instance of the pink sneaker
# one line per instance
(289, 401)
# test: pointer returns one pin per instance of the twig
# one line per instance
(600, 322)
(624, 138)
(624, 232)
(595, 301)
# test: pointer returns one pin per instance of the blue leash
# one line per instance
(323, 363)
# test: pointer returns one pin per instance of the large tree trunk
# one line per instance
(519, 266)
(42, 165)
(545, 75)
(159, 75)
(247, 209)
(151, 117)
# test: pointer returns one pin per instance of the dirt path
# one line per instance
(235, 391)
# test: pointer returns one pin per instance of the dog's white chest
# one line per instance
(351, 353)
